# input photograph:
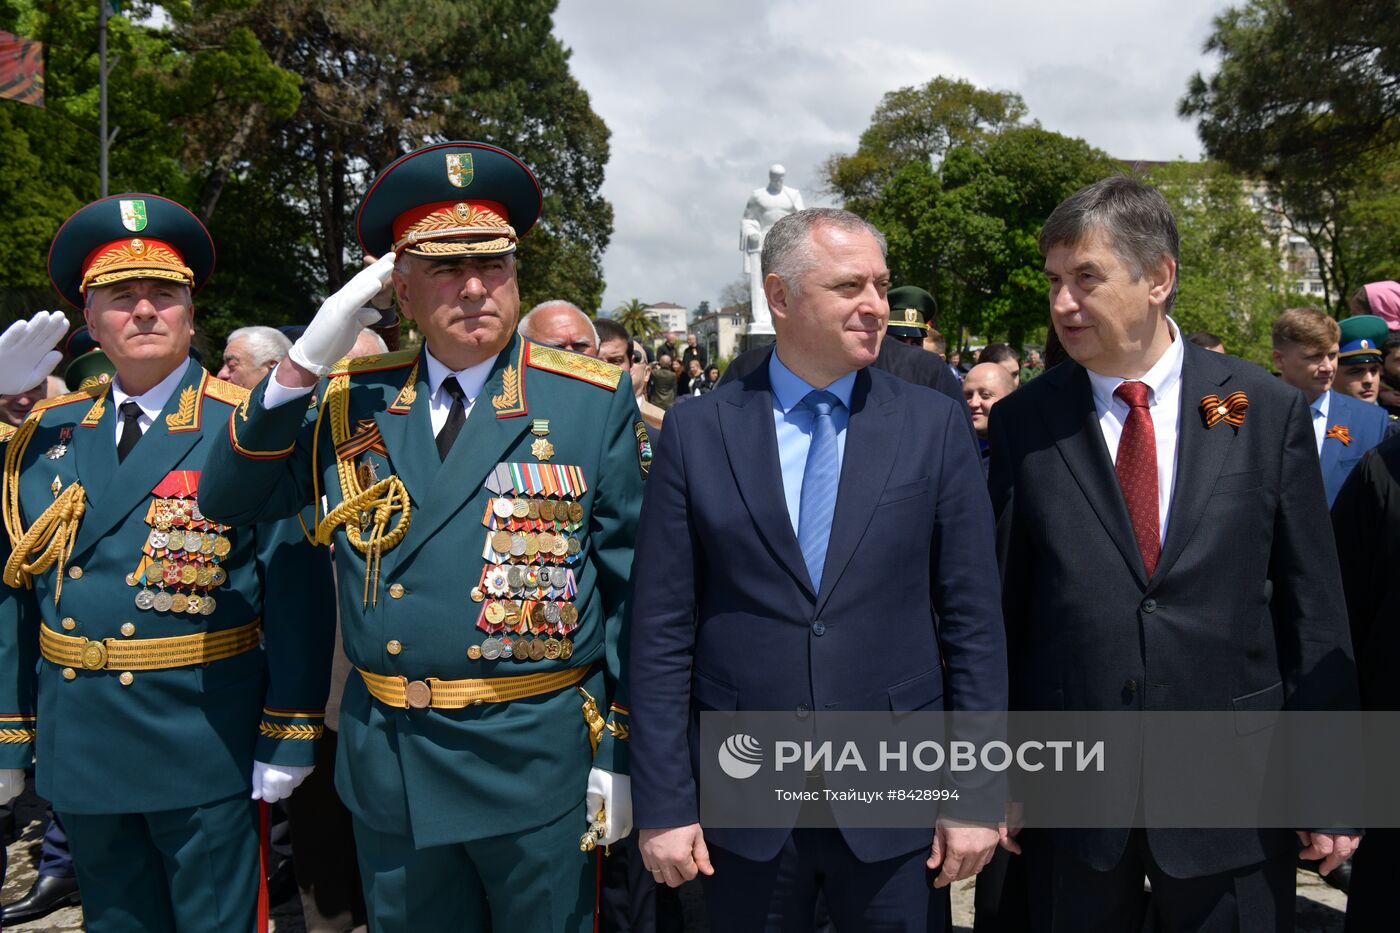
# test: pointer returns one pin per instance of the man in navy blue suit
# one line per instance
(763, 580)
(1306, 354)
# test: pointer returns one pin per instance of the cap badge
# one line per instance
(1365, 344)
(133, 215)
(138, 247)
(460, 169)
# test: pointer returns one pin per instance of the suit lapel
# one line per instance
(159, 451)
(95, 450)
(485, 441)
(751, 444)
(408, 436)
(872, 441)
(1074, 424)
(1201, 452)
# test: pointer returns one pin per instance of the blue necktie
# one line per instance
(819, 482)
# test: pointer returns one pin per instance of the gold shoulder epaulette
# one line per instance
(82, 395)
(225, 391)
(590, 370)
(374, 363)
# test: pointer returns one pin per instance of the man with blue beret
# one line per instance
(153, 662)
(481, 494)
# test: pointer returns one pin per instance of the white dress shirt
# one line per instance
(1163, 381)
(471, 379)
(1320, 407)
(152, 401)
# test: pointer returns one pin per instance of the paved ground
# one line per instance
(1320, 908)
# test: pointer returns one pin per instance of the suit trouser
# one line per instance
(323, 848)
(536, 881)
(55, 858)
(890, 896)
(192, 870)
(1067, 896)
(1373, 903)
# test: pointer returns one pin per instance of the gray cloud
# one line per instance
(701, 98)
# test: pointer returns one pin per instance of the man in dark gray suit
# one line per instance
(1164, 545)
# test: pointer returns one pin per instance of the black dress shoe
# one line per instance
(47, 895)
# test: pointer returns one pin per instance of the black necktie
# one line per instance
(131, 428)
(456, 417)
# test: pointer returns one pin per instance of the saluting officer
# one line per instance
(482, 496)
(152, 660)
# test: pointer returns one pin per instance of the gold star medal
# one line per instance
(541, 448)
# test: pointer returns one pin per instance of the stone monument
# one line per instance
(766, 207)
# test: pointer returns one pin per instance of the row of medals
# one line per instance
(520, 533)
(183, 549)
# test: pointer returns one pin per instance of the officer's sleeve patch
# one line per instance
(643, 448)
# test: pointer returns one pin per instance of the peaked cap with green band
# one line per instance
(129, 236)
(1361, 339)
(450, 199)
(912, 311)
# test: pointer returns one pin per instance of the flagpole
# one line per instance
(102, 9)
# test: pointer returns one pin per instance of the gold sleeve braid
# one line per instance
(374, 507)
(49, 540)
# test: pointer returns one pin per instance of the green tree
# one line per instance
(269, 118)
(1307, 98)
(641, 325)
(917, 125)
(1232, 281)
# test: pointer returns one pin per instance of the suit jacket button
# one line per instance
(802, 710)
(126, 678)
(69, 673)
(396, 590)
(819, 627)
(75, 573)
(394, 646)
(1149, 605)
(1129, 690)
(128, 629)
(69, 623)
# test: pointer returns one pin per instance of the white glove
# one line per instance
(273, 782)
(27, 353)
(11, 784)
(613, 792)
(342, 316)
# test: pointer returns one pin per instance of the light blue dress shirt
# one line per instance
(793, 422)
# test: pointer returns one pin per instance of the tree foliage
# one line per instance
(269, 118)
(1231, 278)
(1307, 99)
(960, 188)
(633, 315)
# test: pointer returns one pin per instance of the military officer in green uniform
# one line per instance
(164, 671)
(482, 497)
(911, 314)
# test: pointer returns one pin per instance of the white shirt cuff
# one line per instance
(275, 393)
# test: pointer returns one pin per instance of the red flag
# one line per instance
(21, 69)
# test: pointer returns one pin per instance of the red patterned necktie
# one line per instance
(1137, 472)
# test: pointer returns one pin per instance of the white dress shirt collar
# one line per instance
(1321, 408)
(1161, 378)
(153, 400)
(470, 379)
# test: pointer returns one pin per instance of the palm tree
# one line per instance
(633, 316)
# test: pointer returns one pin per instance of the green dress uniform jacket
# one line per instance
(123, 741)
(423, 608)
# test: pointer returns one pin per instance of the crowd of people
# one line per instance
(448, 615)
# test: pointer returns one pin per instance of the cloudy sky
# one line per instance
(703, 97)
